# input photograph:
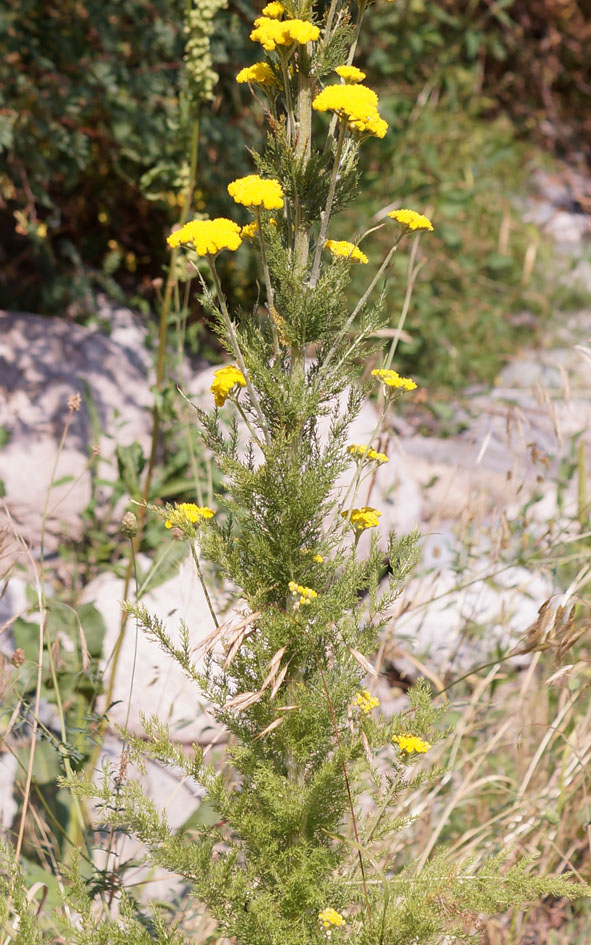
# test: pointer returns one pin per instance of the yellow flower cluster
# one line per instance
(411, 219)
(348, 250)
(350, 73)
(253, 191)
(224, 381)
(393, 379)
(270, 32)
(411, 743)
(355, 104)
(249, 230)
(259, 74)
(306, 594)
(330, 917)
(365, 701)
(187, 513)
(273, 9)
(361, 451)
(207, 237)
(363, 518)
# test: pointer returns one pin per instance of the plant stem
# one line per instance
(269, 287)
(203, 585)
(329, 201)
(236, 347)
(413, 273)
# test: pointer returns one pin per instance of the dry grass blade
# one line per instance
(243, 701)
(274, 664)
(363, 662)
(271, 727)
(237, 639)
(229, 626)
(278, 681)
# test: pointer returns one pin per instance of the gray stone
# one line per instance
(44, 362)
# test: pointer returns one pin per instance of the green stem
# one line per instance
(360, 305)
(325, 218)
(236, 347)
(413, 272)
(303, 151)
(203, 585)
(269, 287)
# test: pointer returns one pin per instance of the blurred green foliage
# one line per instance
(94, 127)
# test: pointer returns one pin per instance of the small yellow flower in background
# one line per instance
(365, 701)
(249, 230)
(187, 512)
(207, 237)
(253, 191)
(393, 379)
(259, 74)
(350, 73)
(411, 219)
(355, 104)
(273, 9)
(317, 558)
(224, 381)
(306, 594)
(330, 917)
(41, 230)
(363, 518)
(410, 744)
(360, 451)
(348, 250)
(270, 32)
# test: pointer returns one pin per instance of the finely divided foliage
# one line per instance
(293, 856)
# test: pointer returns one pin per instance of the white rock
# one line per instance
(46, 361)
(157, 684)
(8, 804)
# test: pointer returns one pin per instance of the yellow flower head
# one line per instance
(207, 237)
(273, 9)
(355, 104)
(306, 594)
(362, 452)
(330, 917)
(259, 74)
(363, 518)
(318, 559)
(365, 701)
(224, 382)
(249, 230)
(185, 513)
(271, 33)
(350, 73)
(410, 744)
(393, 379)
(411, 219)
(253, 191)
(348, 250)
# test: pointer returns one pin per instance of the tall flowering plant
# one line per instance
(298, 854)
